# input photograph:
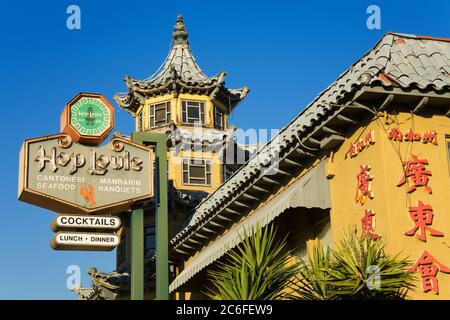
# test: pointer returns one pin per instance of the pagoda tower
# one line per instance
(192, 108)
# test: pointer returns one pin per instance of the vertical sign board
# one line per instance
(63, 176)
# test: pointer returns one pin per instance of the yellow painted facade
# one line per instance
(391, 202)
(175, 160)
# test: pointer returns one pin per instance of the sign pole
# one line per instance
(159, 140)
(137, 254)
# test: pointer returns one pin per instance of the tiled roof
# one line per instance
(179, 63)
(179, 69)
(401, 60)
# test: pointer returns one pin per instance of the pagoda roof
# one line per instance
(179, 73)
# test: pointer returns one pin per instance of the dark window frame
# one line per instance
(186, 172)
(219, 111)
(153, 108)
(186, 119)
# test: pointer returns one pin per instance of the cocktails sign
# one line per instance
(72, 221)
(57, 174)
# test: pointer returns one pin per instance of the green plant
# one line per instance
(311, 283)
(259, 268)
(358, 269)
(352, 262)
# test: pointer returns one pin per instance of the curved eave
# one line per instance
(127, 102)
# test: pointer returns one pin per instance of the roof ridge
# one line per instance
(418, 37)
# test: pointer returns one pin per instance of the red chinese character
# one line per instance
(415, 170)
(352, 150)
(363, 184)
(428, 271)
(430, 137)
(422, 216)
(411, 136)
(370, 137)
(368, 224)
(395, 134)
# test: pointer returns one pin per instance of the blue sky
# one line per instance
(285, 51)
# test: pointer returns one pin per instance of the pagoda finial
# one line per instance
(180, 34)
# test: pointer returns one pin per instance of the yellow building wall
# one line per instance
(390, 202)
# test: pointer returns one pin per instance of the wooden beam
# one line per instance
(387, 102)
(331, 131)
(331, 142)
(278, 170)
(232, 211)
(345, 119)
(266, 179)
(241, 204)
(248, 196)
(314, 141)
(303, 153)
(213, 223)
(207, 230)
(292, 163)
(422, 103)
(360, 106)
(222, 217)
(193, 241)
(181, 251)
(258, 188)
(187, 246)
(199, 235)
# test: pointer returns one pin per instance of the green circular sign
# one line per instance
(90, 116)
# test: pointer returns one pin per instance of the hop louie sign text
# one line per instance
(63, 176)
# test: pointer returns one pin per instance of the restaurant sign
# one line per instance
(62, 176)
(88, 118)
(72, 221)
(84, 241)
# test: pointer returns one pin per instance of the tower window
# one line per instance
(139, 122)
(218, 118)
(197, 172)
(193, 112)
(159, 114)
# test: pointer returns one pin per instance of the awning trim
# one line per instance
(311, 190)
